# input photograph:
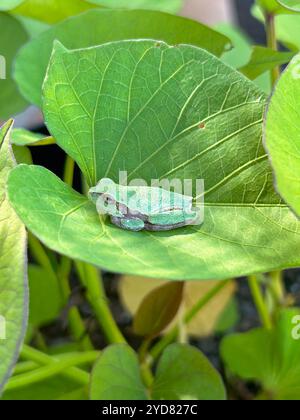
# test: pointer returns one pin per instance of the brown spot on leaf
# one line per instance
(201, 125)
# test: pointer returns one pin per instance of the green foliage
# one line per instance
(264, 59)
(57, 388)
(46, 303)
(252, 220)
(240, 54)
(269, 357)
(9, 4)
(22, 154)
(282, 134)
(108, 25)
(13, 36)
(21, 137)
(13, 277)
(184, 373)
(52, 11)
(171, 6)
(116, 375)
(290, 5)
(278, 7)
(158, 309)
(287, 28)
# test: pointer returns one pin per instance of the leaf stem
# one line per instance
(69, 171)
(158, 348)
(54, 369)
(260, 302)
(31, 354)
(92, 280)
(277, 287)
(76, 324)
(272, 43)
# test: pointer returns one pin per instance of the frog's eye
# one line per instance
(107, 200)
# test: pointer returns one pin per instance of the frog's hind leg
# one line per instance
(133, 224)
(170, 220)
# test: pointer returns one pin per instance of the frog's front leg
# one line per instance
(133, 224)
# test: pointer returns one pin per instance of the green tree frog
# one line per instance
(143, 208)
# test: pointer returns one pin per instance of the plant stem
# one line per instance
(77, 325)
(146, 374)
(69, 171)
(23, 367)
(29, 353)
(260, 302)
(272, 43)
(171, 335)
(277, 287)
(95, 293)
(53, 369)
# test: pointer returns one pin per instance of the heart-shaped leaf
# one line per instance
(158, 111)
(13, 36)
(13, 277)
(184, 373)
(269, 357)
(100, 26)
(282, 134)
(116, 376)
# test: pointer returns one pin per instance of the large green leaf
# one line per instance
(13, 279)
(172, 6)
(269, 357)
(13, 36)
(99, 26)
(157, 112)
(282, 134)
(184, 373)
(264, 59)
(116, 376)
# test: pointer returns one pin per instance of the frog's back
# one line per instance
(152, 200)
